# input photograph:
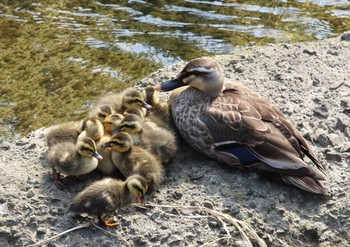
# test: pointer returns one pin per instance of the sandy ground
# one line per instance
(308, 81)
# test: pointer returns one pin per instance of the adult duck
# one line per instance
(236, 126)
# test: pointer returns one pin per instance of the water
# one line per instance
(57, 57)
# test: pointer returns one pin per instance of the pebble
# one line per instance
(208, 204)
(5, 145)
(345, 36)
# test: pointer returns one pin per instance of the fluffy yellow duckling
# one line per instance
(150, 136)
(100, 112)
(112, 122)
(65, 132)
(135, 160)
(92, 128)
(72, 159)
(103, 197)
(128, 99)
(159, 113)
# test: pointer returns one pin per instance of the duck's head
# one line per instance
(138, 186)
(131, 124)
(202, 73)
(133, 99)
(112, 122)
(103, 111)
(93, 128)
(87, 148)
(120, 142)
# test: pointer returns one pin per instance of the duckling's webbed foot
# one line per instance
(108, 220)
(58, 180)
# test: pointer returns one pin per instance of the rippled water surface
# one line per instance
(56, 57)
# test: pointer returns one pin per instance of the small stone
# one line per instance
(330, 156)
(30, 194)
(311, 53)
(345, 36)
(4, 210)
(212, 222)
(176, 195)
(198, 174)
(321, 137)
(32, 146)
(321, 111)
(208, 205)
(335, 139)
(241, 243)
(174, 241)
(5, 145)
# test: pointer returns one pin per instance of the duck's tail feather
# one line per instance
(306, 183)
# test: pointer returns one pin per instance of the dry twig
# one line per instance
(85, 225)
(241, 226)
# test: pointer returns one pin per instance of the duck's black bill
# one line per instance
(171, 85)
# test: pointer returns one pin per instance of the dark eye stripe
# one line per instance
(139, 189)
(129, 125)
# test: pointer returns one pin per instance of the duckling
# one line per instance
(64, 132)
(130, 98)
(100, 112)
(158, 140)
(92, 128)
(138, 112)
(106, 165)
(112, 122)
(132, 159)
(159, 113)
(103, 197)
(72, 159)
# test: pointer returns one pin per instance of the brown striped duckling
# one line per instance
(235, 125)
(132, 159)
(103, 197)
(159, 113)
(112, 122)
(64, 132)
(149, 135)
(92, 128)
(72, 159)
(100, 112)
(130, 98)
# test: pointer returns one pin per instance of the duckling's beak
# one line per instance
(116, 130)
(106, 145)
(170, 85)
(97, 155)
(145, 105)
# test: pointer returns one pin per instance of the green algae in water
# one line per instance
(57, 57)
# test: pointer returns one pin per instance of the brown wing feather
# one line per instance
(258, 124)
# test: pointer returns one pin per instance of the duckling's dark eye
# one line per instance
(132, 101)
(85, 149)
(138, 188)
(101, 115)
(130, 126)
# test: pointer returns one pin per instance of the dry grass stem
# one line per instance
(243, 227)
(85, 225)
